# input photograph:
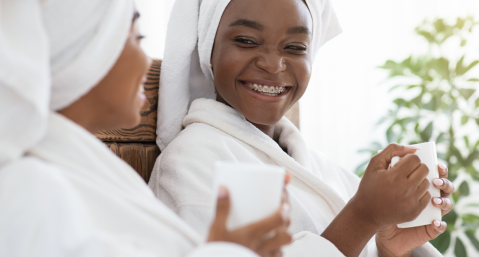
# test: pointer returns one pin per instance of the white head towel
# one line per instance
(185, 72)
(51, 54)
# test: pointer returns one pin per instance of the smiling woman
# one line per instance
(252, 67)
(262, 65)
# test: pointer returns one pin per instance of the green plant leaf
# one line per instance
(471, 220)
(466, 92)
(460, 66)
(428, 36)
(477, 102)
(464, 119)
(441, 138)
(441, 66)
(390, 135)
(472, 65)
(450, 218)
(439, 25)
(473, 80)
(477, 122)
(460, 23)
(427, 132)
(464, 189)
(473, 239)
(442, 242)
(466, 141)
(459, 248)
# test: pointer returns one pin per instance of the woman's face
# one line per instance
(262, 57)
(116, 101)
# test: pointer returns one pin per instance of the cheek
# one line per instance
(302, 72)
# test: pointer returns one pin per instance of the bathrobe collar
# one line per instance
(297, 160)
(73, 148)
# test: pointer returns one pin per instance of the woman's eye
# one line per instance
(245, 41)
(140, 37)
(297, 48)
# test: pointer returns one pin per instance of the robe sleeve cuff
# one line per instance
(221, 249)
(307, 244)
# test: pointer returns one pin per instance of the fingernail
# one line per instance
(437, 223)
(444, 167)
(438, 182)
(437, 200)
(222, 193)
(413, 147)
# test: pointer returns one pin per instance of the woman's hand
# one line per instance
(265, 237)
(392, 196)
(384, 197)
(394, 241)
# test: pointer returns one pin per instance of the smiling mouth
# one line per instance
(265, 89)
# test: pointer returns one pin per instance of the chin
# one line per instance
(132, 121)
(266, 120)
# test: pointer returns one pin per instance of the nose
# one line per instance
(271, 62)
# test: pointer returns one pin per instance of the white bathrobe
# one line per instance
(71, 196)
(183, 175)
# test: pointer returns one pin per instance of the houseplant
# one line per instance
(439, 102)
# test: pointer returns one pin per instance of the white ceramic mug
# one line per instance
(255, 191)
(428, 156)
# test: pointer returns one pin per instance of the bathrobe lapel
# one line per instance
(297, 161)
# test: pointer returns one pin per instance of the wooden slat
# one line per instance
(151, 153)
(146, 131)
(113, 147)
(133, 155)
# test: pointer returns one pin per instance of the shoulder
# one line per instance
(30, 172)
(33, 185)
(201, 140)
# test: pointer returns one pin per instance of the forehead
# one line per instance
(269, 13)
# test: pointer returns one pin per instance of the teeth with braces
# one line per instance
(265, 90)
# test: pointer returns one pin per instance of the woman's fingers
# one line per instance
(273, 245)
(382, 160)
(278, 220)
(443, 171)
(435, 229)
(222, 207)
(287, 178)
(444, 203)
(443, 184)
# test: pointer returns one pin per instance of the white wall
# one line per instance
(344, 100)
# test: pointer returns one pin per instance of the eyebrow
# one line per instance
(248, 23)
(298, 30)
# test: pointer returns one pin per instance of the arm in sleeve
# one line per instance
(307, 244)
(221, 249)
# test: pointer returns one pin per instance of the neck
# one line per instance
(267, 129)
(87, 122)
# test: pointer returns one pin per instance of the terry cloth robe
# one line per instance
(183, 175)
(72, 197)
